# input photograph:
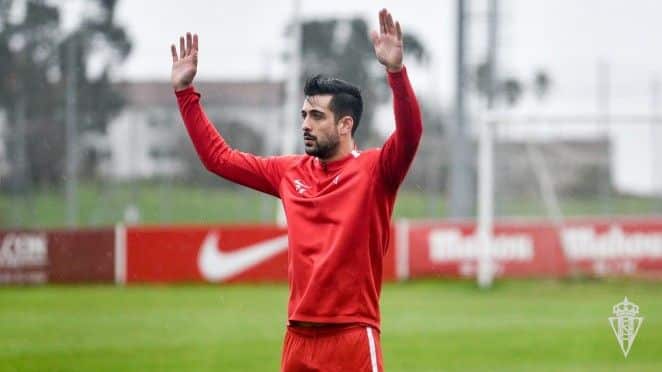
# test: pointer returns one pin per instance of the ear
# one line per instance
(346, 125)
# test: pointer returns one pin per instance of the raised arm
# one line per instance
(262, 174)
(398, 151)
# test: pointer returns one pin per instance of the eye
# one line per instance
(303, 114)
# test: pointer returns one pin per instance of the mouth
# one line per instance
(308, 140)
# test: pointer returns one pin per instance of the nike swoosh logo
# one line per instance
(216, 265)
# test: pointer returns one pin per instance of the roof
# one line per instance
(223, 93)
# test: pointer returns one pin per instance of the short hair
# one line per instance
(346, 98)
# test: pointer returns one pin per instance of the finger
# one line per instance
(389, 24)
(173, 51)
(398, 30)
(385, 21)
(182, 51)
(189, 43)
(194, 49)
(382, 21)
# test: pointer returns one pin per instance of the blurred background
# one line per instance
(91, 134)
(541, 159)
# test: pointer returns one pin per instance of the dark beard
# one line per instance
(324, 150)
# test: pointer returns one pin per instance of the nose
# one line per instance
(305, 125)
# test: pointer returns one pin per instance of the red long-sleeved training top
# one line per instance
(338, 213)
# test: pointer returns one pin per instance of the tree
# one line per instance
(342, 48)
(33, 69)
(510, 88)
(541, 84)
(27, 52)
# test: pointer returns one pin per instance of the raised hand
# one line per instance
(184, 65)
(388, 42)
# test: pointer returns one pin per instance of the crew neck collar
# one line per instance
(338, 163)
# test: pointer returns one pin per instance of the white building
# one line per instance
(141, 140)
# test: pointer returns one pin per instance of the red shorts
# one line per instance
(332, 348)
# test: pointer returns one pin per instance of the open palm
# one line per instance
(388, 42)
(184, 64)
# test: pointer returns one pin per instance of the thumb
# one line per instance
(374, 36)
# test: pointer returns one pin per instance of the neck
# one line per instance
(344, 149)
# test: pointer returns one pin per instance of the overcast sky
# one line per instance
(568, 38)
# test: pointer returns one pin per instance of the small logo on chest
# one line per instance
(300, 186)
(336, 180)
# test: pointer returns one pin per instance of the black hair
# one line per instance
(346, 98)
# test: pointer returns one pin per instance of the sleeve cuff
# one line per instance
(185, 92)
(398, 80)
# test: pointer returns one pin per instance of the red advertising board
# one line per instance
(258, 253)
(57, 256)
(631, 247)
(451, 249)
(536, 249)
(230, 253)
(206, 253)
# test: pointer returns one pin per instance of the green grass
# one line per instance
(172, 204)
(104, 205)
(426, 326)
(616, 205)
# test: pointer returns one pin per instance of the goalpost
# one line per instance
(488, 123)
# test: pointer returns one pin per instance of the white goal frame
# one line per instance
(485, 196)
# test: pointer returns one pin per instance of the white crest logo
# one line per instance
(625, 324)
(300, 186)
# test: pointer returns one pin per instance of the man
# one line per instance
(338, 203)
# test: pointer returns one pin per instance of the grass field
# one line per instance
(158, 204)
(104, 205)
(427, 326)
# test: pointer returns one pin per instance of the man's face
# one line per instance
(320, 130)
